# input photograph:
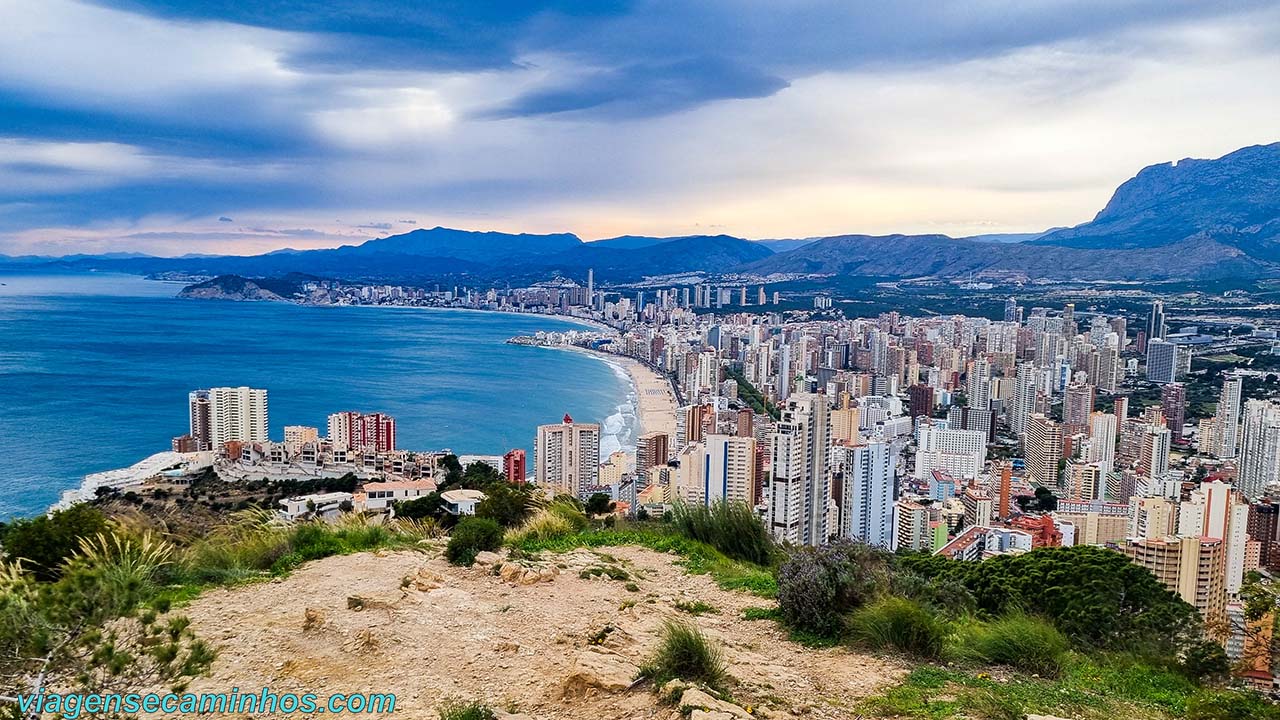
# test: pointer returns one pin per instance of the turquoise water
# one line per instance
(95, 370)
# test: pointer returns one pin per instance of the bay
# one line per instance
(95, 371)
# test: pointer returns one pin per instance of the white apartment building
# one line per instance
(223, 414)
(1259, 447)
(868, 492)
(959, 453)
(567, 457)
(799, 484)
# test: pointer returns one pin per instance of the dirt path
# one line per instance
(513, 645)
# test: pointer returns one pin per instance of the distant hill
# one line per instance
(473, 247)
(234, 287)
(907, 256)
(1234, 199)
(1197, 219)
(1194, 219)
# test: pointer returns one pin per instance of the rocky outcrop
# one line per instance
(228, 287)
(601, 670)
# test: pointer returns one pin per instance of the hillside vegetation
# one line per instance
(545, 609)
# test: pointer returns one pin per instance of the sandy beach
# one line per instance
(655, 401)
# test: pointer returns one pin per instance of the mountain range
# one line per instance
(1194, 219)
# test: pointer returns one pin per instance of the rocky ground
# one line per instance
(555, 638)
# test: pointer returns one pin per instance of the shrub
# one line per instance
(311, 541)
(470, 536)
(949, 598)
(685, 654)
(454, 709)
(894, 622)
(818, 586)
(543, 525)
(504, 503)
(569, 509)
(45, 542)
(1094, 595)
(1017, 640)
(599, 504)
(697, 607)
(249, 543)
(733, 528)
(1206, 661)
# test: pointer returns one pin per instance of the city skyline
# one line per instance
(175, 127)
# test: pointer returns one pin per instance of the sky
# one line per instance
(171, 126)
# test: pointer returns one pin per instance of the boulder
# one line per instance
(484, 558)
(594, 669)
(696, 700)
(517, 574)
(710, 715)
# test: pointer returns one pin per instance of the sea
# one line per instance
(95, 371)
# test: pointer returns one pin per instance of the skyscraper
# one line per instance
(1102, 440)
(1024, 398)
(868, 490)
(1011, 310)
(799, 484)
(1228, 416)
(922, 400)
(729, 469)
(1153, 454)
(652, 449)
(1259, 447)
(959, 453)
(223, 414)
(201, 422)
(1155, 323)
(372, 432)
(1077, 404)
(567, 457)
(1162, 361)
(1043, 450)
(1173, 402)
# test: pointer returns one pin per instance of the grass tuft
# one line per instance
(733, 528)
(900, 624)
(1021, 641)
(686, 654)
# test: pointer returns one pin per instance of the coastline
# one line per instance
(655, 401)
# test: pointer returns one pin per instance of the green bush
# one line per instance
(899, 623)
(454, 709)
(1017, 640)
(471, 536)
(504, 503)
(818, 586)
(247, 545)
(1206, 661)
(733, 528)
(1094, 595)
(542, 525)
(311, 541)
(570, 510)
(45, 542)
(685, 654)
